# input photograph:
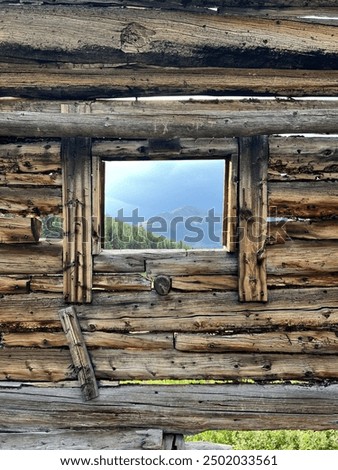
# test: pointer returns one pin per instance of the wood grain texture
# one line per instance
(94, 340)
(30, 201)
(81, 359)
(77, 220)
(173, 4)
(121, 439)
(87, 81)
(304, 199)
(172, 149)
(14, 284)
(295, 342)
(252, 216)
(150, 37)
(162, 125)
(280, 232)
(20, 229)
(25, 364)
(227, 406)
(296, 308)
(42, 258)
(302, 158)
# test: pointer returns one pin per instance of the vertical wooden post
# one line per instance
(230, 205)
(252, 215)
(98, 172)
(77, 214)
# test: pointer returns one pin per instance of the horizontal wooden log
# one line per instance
(23, 200)
(121, 439)
(302, 258)
(304, 199)
(146, 36)
(282, 231)
(46, 283)
(227, 283)
(90, 80)
(44, 258)
(14, 284)
(24, 364)
(55, 365)
(290, 280)
(228, 124)
(294, 342)
(128, 261)
(303, 158)
(173, 4)
(216, 311)
(305, 308)
(229, 406)
(32, 157)
(174, 149)
(20, 229)
(163, 364)
(121, 282)
(204, 283)
(195, 262)
(27, 179)
(95, 339)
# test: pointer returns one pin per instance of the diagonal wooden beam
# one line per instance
(78, 350)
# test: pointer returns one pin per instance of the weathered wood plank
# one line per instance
(303, 258)
(310, 308)
(174, 149)
(55, 365)
(14, 284)
(228, 124)
(134, 364)
(303, 158)
(121, 282)
(230, 283)
(289, 280)
(98, 198)
(184, 105)
(131, 261)
(77, 220)
(229, 406)
(193, 262)
(81, 360)
(230, 219)
(43, 258)
(294, 342)
(31, 157)
(206, 4)
(142, 36)
(121, 439)
(29, 179)
(81, 81)
(252, 210)
(27, 201)
(204, 283)
(46, 283)
(304, 199)
(95, 339)
(20, 229)
(282, 231)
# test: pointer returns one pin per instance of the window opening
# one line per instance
(164, 204)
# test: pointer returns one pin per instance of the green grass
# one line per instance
(272, 440)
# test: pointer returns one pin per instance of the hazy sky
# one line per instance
(159, 186)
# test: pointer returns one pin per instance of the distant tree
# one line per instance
(120, 235)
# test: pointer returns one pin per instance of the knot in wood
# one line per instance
(162, 284)
(135, 38)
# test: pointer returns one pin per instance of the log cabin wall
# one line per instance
(264, 310)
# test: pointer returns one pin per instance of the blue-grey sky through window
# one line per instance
(167, 189)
